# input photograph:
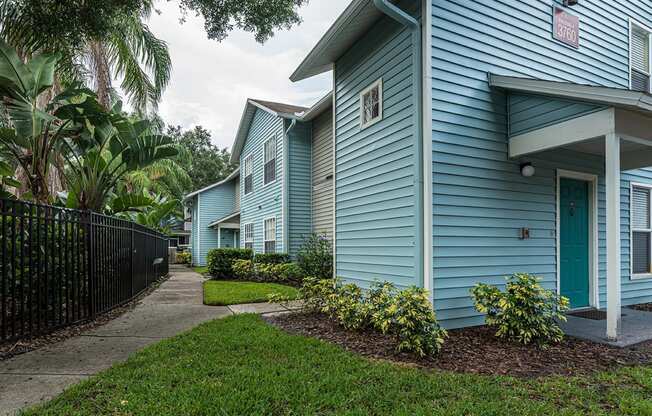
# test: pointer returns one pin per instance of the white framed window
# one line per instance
(249, 174)
(639, 57)
(269, 157)
(270, 235)
(249, 236)
(641, 235)
(371, 104)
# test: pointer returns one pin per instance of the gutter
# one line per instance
(395, 13)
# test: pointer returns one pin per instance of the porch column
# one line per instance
(219, 236)
(612, 175)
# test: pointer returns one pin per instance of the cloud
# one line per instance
(211, 81)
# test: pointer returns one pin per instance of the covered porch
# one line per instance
(228, 230)
(610, 123)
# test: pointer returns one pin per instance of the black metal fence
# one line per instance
(60, 267)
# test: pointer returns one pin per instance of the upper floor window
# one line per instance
(249, 174)
(270, 161)
(270, 235)
(641, 231)
(371, 104)
(249, 236)
(639, 44)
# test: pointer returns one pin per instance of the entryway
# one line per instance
(575, 241)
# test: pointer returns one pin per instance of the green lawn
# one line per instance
(242, 366)
(201, 270)
(224, 292)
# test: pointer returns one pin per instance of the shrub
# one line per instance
(184, 257)
(289, 272)
(243, 269)
(407, 314)
(272, 258)
(315, 257)
(220, 260)
(525, 312)
(265, 272)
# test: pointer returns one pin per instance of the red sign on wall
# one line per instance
(566, 27)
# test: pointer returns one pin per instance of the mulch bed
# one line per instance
(12, 349)
(645, 307)
(474, 350)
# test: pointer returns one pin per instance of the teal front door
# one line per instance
(574, 241)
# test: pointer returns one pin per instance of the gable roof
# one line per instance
(616, 97)
(354, 22)
(232, 176)
(318, 109)
(276, 109)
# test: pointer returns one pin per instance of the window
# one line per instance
(270, 235)
(249, 174)
(371, 104)
(641, 230)
(639, 43)
(270, 161)
(249, 236)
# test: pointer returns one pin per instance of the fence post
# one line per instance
(131, 258)
(90, 269)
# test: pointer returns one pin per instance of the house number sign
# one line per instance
(566, 27)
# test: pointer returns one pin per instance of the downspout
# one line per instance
(395, 13)
(286, 185)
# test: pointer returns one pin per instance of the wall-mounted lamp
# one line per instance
(569, 3)
(527, 170)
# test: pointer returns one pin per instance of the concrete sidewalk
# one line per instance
(175, 307)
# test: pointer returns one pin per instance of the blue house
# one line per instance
(215, 216)
(286, 185)
(475, 139)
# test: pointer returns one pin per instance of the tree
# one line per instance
(123, 49)
(208, 164)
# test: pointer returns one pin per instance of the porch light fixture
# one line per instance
(527, 170)
(568, 3)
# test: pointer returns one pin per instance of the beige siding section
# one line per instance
(322, 175)
(237, 194)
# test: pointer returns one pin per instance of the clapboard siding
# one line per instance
(299, 184)
(209, 206)
(532, 112)
(375, 187)
(322, 175)
(265, 201)
(479, 198)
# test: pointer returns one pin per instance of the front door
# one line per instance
(574, 241)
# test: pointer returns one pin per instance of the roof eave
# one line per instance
(229, 178)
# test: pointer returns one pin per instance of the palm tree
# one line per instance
(130, 54)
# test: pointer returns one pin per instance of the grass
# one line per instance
(224, 292)
(201, 270)
(242, 366)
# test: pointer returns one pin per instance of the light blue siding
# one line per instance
(299, 185)
(266, 200)
(376, 211)
(228, 237)
(480, 200)
(532, 112)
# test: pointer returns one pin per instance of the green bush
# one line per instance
(407, 315)
(184, 257)
(288, 272)
(271, 258)
(243, 269)
(525, 313)
(220, 260)
(315, 257)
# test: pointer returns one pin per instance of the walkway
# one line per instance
(173, 308)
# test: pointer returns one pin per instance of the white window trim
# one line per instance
(273, 138)
(379, 84)
(632, 275)
(632, 24)
(244, 177)
(265, 240)
(253, 234)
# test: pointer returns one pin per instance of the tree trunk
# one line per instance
(102, 73)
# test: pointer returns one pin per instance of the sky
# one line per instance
(211, 81)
